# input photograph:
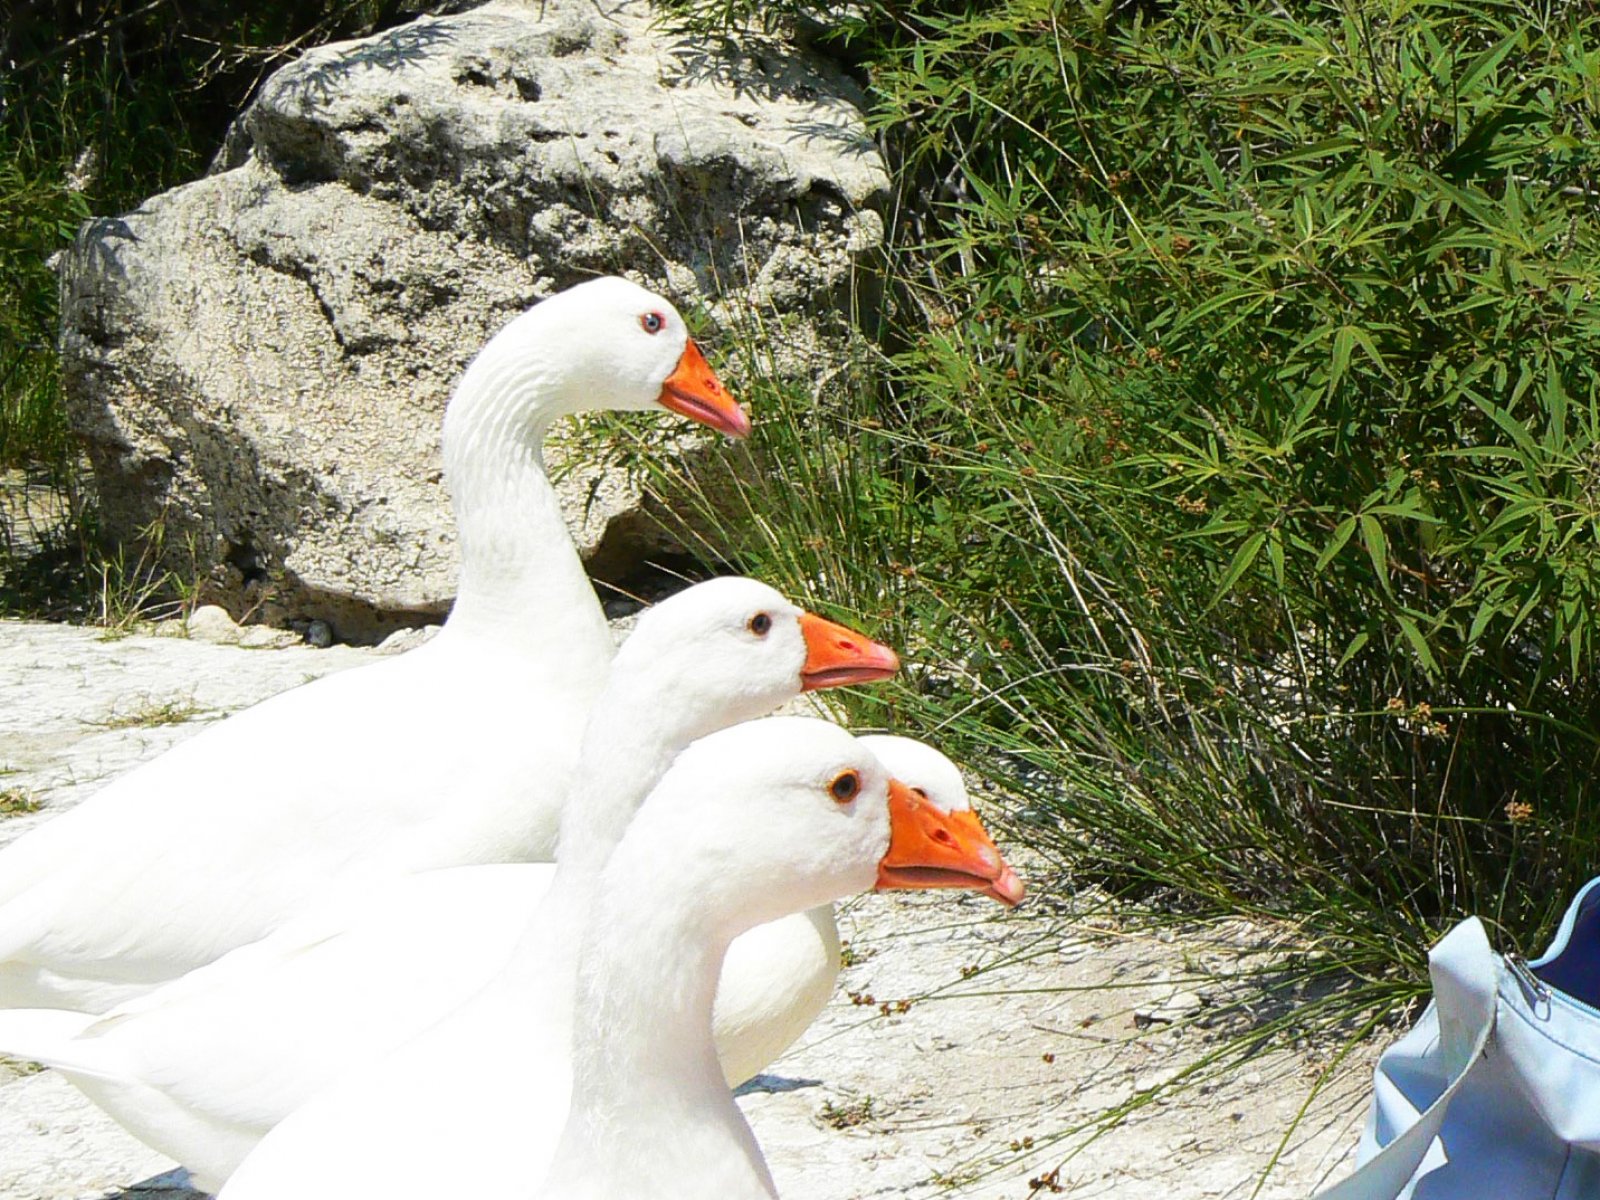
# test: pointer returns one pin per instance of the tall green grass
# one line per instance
(1234, 479)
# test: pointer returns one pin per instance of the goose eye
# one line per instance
(759, 624)
(845, 786)
(652, 322)
(923, 792)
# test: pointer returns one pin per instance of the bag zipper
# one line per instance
(1529, 981)
(1544, 992)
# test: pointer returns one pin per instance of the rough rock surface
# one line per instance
(258, 361)
(1019, 1026)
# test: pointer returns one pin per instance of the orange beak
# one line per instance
(1007, 888)
(933, 849)
(838, 657)
(694, 391)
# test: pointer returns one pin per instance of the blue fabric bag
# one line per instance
(1495, 1093)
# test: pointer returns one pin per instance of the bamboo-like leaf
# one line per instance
(1326, 148)
(1514, 429)
(1372, 537)
(1355, 646)
(1419, 644)
(1243, 559)
(1336, 543)
(1408, 510)
(1491, 58)
(1488, 610)
(1343, 346)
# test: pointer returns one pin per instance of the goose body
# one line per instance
(458, 752)
(475, 1104)
(203, 1067)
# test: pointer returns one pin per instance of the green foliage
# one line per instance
(102, 104)
(37, 217)
(1246, 433)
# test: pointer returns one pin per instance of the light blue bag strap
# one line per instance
(1466, 979)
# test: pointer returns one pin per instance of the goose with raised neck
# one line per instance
(778, 977)
(763, 819)
(458, 752)
(665, 693)
(604, 344)
(202, 1068)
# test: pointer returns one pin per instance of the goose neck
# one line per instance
(647, 982)
(521, 579)
(645, 1069)
(628, 744)
(629, 741)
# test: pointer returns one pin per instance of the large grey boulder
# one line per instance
(258, 361)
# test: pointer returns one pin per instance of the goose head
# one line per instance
(604, 344)
(779, 815)
(932, 776)
(732, 649)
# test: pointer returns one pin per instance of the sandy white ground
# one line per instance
(1019, 1026)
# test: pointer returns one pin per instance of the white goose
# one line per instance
(752, 822)
(779, 976)
(767, 817)
(458, 752)
(203, 1067)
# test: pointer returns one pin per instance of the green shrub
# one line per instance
(1245, 433)
(39, 210)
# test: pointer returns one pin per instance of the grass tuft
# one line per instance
(16, 802)
(153, 713)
